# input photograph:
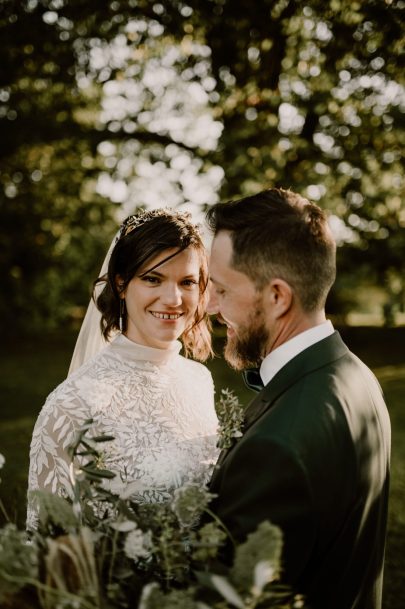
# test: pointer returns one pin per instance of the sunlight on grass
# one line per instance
(390, 373)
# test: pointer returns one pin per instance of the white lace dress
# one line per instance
(158, 405)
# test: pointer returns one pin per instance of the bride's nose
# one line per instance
(172, 295)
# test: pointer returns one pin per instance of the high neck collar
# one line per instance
(131, 351)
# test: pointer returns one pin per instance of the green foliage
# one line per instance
(211, 537)
(231, 418)
(310, 96)
(54, 509)
(264, 546)
(18, 561)
(155, 598)
(188, 503)
(127, 553)
(54, 226)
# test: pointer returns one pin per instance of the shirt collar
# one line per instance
(275, 360)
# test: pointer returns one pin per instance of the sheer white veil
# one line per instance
(90, 339)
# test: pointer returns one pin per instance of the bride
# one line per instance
(158, 405)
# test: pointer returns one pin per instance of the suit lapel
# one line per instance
(314, 357)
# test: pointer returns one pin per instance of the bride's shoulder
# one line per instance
(71, 388)
(195, 369)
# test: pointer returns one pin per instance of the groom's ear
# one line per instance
(278, 297)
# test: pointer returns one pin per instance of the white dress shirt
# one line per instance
(277, 359)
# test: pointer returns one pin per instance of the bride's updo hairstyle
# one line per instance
(142, 237)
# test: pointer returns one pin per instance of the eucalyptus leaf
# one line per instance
(227, 591)
(103, 438)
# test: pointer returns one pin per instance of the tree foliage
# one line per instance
(152, 99)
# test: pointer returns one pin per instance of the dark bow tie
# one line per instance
(253, 379)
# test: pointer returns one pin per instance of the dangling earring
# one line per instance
(122, 313)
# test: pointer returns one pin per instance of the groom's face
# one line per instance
(238, 304)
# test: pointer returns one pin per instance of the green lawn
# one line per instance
(32, 367)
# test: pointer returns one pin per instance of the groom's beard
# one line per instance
(247, 349)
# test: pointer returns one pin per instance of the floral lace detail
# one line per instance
(161, 414)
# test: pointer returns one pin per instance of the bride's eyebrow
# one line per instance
(152, 273)
(191, 276)
(188, 276)
(148, 271)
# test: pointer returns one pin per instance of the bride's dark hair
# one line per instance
(142, 238)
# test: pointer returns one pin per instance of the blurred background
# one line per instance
(106, 107)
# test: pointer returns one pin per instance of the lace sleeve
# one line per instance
(54, 431)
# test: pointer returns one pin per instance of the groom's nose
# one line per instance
(212, 307)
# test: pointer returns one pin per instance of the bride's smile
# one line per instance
(166, 316)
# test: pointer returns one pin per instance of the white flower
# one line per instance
(138, 544)
(2, 460)
(124, 526)
(124, 489)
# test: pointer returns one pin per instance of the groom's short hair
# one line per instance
(278, 233)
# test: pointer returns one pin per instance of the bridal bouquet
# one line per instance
(106, 551)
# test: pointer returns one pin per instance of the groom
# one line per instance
(314, 456)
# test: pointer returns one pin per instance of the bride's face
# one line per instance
(161, 304)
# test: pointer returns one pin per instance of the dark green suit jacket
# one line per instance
(314, 459)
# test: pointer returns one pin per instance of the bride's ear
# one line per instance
(278, 296)
(119, 284)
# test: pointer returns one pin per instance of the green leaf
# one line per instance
(103, 438)
(54, 509)
(227, 591)
(98, 473)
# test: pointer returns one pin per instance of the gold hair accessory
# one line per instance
(134, 221)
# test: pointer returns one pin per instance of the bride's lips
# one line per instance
(167, 316)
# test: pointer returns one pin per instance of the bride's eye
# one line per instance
(151, 279)
(189, 282)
